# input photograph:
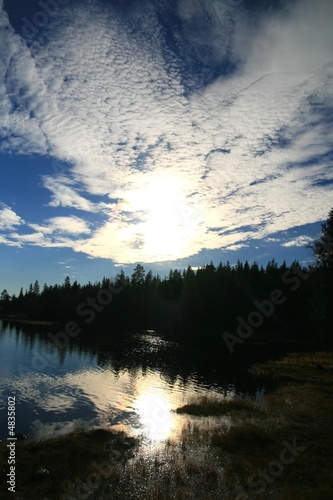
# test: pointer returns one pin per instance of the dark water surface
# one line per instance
(130, 382)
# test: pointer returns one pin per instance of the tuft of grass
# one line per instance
(210, 406)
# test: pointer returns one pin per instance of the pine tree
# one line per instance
(323, 247)
(36, 288)
(138, 275)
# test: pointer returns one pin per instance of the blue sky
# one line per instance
(166, 133)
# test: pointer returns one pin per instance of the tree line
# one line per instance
(209, 299)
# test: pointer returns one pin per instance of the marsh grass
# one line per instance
(167, 475)
(206, 406)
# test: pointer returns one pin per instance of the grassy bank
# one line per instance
(235, 448)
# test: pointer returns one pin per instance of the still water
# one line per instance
(128, 382)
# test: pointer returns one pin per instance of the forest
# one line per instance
(210, 300)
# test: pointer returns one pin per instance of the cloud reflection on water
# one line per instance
(77, 392)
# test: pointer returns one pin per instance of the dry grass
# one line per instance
(209, 406)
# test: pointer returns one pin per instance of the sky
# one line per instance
(162, 132)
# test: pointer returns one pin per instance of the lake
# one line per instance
(125, 382)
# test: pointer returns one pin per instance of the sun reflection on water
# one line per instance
(155, 415)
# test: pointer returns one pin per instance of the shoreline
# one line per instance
(30, 322)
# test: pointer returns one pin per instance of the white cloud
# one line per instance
(53, 232)
(111, 101)
(67, 225)
(6, 241)
(38, 238)
(56, 232)
(300, 241)
(64, 195)
(8, 218)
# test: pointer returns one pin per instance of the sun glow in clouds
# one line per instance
(159, 217)
(168, 222)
